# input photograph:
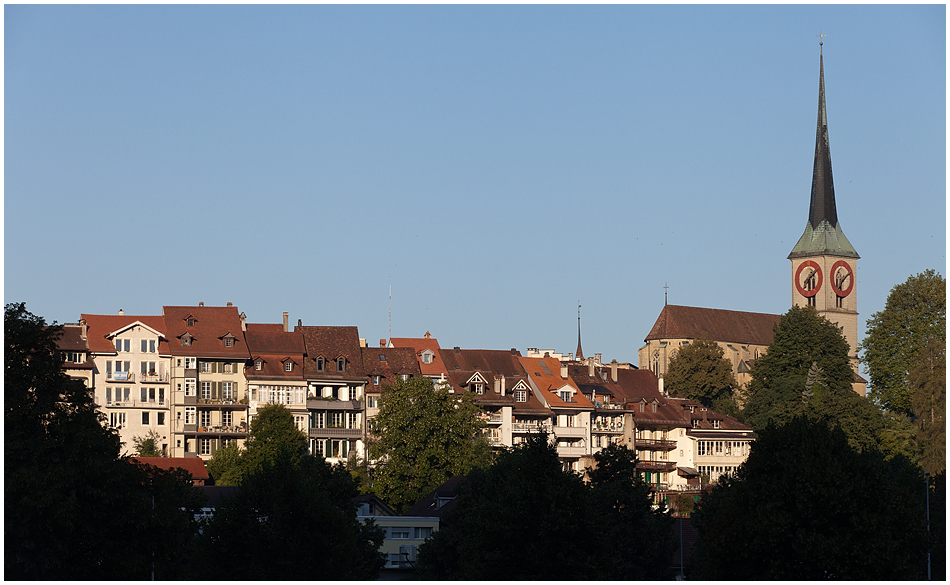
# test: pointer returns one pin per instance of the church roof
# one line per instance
(678, 322)
(823, 235)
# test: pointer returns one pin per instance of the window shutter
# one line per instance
(216, 389)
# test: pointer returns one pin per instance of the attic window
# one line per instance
(566, 396)
(258, 365)
(654, 406)
(229, 341)
(715, 423)
(426, 357)
(288, 366)
(186, 340)
(190, 322)
(320, 364)
(341, 364)
(521, 396)
(642, 407)
(382, 358)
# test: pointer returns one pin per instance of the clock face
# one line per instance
(842, 278)
(808, 278)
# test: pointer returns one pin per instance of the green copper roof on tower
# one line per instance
(823, 235)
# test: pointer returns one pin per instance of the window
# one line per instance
(190, 415)
(352, 392)
(423, 532)
(229, 341)
(186, 340)
(715, 423)
(226, 418)
(318, 447)
(151, 346)
(258, 365)
(399, 532)
(206, 367)
(204, 446)
(318, 420)
(191, 363)
(375, 380)
(190, 322)
(117, 419)
(229, 368)
(478, 388)
(144, 345)
(288, 366)
(227, 391)
(653, 406)
(161, 419)
(321, 364)
(300, 421)
(404, 377)
(382, 357)
(206, 390)
(124, 345)
(353, 420)
(521, 396)
(426, 357)
(144, 417)
(370, 402)
(565, 395)
(204, 416)
(337, 420)
(340, 448)
(341, 364)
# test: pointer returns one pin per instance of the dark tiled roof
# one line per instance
(263, 339)
(418, 344)
(429, 505)
(398, 360)
(331, 343)
(212, 324)
(101, 325)
(678, 322)
(490, 364)
(71, 339)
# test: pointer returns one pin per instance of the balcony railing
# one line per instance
(570, 431)
(153, 378)
(571, 451)
(663, 444)
(607, 428)
(334, 432)
(137, 403)
(656, 465)
(223, 401)
(331, 404)
(531, 427)
(219, 429)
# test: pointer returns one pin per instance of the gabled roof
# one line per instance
(71, 339)
(491, 364)
(678, 322)
(263, 339)
(418, 345)
(331, 343)
(99, 327)
(546, 375)
(439, 501)
(212, 324)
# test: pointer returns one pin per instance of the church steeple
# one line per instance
(823, 234)
(580, 354)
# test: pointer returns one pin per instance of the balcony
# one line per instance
(571, 451)
(153, 378)
(335, 433)
(223, 430)
(229, 402)
(570, 432)
(607, 428)
(655, 444)
(120, 376)
(137, 404)
(331, 404)
(656, 465)
(531, 427)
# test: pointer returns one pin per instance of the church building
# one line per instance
(824, 265)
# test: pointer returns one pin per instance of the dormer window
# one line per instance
(715, 423)
(288, 366)
(566, 396)
(189, 321)
(229, 340)
(654, 406)
(375, 380)
(521, 396)
(427, 357)
(341, 364)
(186, 340)
(258, 365)
(643, 407)
(478, 388)
(321, 364)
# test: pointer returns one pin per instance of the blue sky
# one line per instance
(494, 165)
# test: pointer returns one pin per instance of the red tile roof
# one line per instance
(212, 324)
(678, 322)
(418, 344)
(463, 364)
(398, 361)
(193, 465)
(101, 325)
(546, 374)
(331, 343)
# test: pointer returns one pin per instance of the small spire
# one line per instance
(580, 352)
(822, 183)
(666, 289)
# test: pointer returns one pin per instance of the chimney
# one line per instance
(590, 367)
(564, 371)
(121, 312)
(503, 384)
(659, 385)
(497, 385)
(84, 330)
(382, 343)
(514, 351)
(457, 349)
(597, 358)
(613, 370)
(286, 324)
(201, 303)
(230, 304)
(243, 322)
(428, 335)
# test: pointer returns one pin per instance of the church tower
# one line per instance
(824, 263)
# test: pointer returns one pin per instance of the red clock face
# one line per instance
(842, 278)
(808, 278)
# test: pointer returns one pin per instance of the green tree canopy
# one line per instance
(806, 371)
(928, 381)
(699, 371)
(525, 517)
(73, 508)
(915, 314)
(421, 437)
(806, 505)
(292, 519)
(273, 437)
(147, 445)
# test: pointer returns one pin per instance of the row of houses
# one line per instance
(195, 376)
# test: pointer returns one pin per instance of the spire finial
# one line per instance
(580, 352)
(666, 289)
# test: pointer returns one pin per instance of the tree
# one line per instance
(273, 436)
(700, 372)
(806, 505)
(147, 445)
(928, 381)
(524, 517)
(70, 501)
(421, 437)
(293, 519)
(807, 372)
(914, 314)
